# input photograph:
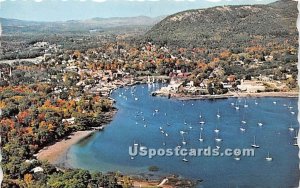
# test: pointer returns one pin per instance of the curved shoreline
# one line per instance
(56, 153)
(231, 95)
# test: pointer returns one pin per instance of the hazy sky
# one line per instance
(59, 10)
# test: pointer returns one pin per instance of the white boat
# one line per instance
(218, 114)
(274, 102)
(295, 143)
(202, 122)
(254, 145)
(183, 141)
(291, 128)
(136, 98)
(236, 106)
(245, 105)
(167, 134)
(217, 130)
(242, 129)
(185, 160)
(218, 139)
(260, 124)
(243, 122)
(268, 158)
(131, 157)
(237, 158)
(201, 138)
(296, 135)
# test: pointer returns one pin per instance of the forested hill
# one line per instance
(229, 26)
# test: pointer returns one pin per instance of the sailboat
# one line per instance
(255, 102)
(236, 106)
(182, 134)
(296, 135)
(237, 158)
(243, 120)
(260, 124)
(184, 122)
(201, 138)
(217, 138)
(242, 129)
(254, 145)
(216, 129)
(184, 159)
(218, 114)
(246, 105)
(295, 143)
(291, 128)
(268, 158)
(183, 141)
(201, 119)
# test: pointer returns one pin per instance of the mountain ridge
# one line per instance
(221, 25)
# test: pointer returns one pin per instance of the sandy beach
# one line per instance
(54, 154)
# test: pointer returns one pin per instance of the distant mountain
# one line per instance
(10, 26)
(229, 26)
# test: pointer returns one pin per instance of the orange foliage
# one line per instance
(22, 116)
(8, 122)
(41, 116)
(225, 55)
(60, 102)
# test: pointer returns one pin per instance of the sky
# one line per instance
(62, 10)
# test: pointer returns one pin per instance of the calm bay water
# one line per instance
(108, 150)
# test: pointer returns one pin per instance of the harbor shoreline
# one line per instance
(293, 94)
